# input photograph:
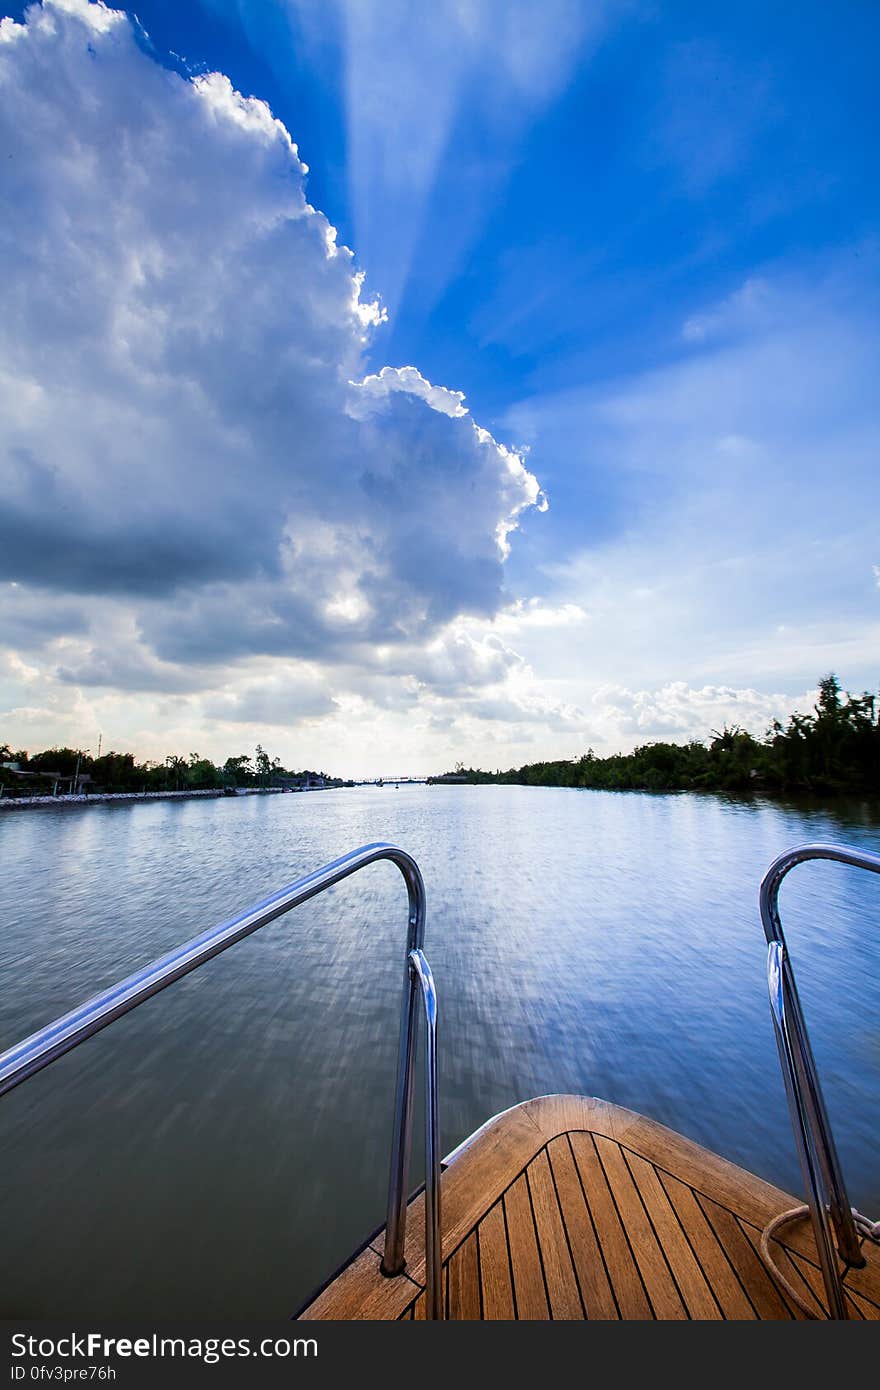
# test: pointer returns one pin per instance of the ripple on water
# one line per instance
(225, 1146)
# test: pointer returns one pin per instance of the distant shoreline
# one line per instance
(28, 803)
(824, 797)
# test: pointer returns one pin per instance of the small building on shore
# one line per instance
(301, 782)
(18, 781)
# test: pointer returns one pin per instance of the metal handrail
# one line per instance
(820, 1164)
(433, 1254)
(26, 1058)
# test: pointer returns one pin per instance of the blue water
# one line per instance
(223, 1148)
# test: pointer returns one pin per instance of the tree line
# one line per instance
(120, 772)
(834, 749)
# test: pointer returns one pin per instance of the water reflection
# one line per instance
(222, 1148)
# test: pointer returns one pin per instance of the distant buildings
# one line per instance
(37, 781)
(301, 782)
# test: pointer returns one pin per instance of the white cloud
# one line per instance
(282, 698)
(376, 388)
(461, 660)
(217, 513)
(536, 613)
(180, 336)
(512, 709)
(677, 711)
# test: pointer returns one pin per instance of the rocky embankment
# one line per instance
(24, 803)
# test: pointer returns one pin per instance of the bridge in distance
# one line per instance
(391, 781)
(409, 781)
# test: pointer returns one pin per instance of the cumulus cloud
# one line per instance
(29, 618)
(280, 698)
(460, 660)
(514, 709)
(377, 387)
(678, 711)
(188, 425)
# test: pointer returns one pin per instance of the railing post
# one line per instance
(803, 1123)
(817, 1151)
(433, 1246)
(401, 1140)
(393, 1259)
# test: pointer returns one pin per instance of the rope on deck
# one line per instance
(867, 1229)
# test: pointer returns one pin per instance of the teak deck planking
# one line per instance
(568, 1208)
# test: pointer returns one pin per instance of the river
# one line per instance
(219, 1151)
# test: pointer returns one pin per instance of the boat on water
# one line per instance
(565, 1206)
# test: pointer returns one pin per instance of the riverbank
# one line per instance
(25, 803)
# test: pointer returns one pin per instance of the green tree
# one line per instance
(263, 765)
(175, 768)
(238, 771)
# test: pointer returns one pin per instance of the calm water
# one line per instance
(220, 1150)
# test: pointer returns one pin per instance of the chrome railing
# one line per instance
(30, 1056)
(826, 1190)
(433, 1256)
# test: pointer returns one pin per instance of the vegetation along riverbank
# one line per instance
(72, 774)
(834, 749)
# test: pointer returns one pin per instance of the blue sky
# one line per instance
(640, 238)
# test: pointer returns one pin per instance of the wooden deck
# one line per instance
(565, 1207)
